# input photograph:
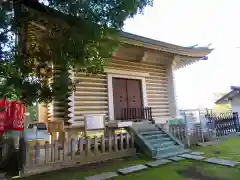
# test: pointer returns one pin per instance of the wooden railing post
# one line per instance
(47, 148)
(121, 141)
(186, 130)
(95, 141)
(110, 140)
(127, 140)
(37, 152)
(213, 126)
(91, 151)
(88, 146)
(72, 153)
(115, 143)
(136, 114)
(56, 151)
(132, 140)
(22, 154)
(103, 144)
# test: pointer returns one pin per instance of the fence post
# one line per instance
(212, 125)
(186, 130)
(22, 154)
(37, 152)
(201, 126)
(236, 120)
(165, 126)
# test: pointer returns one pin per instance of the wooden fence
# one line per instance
(137, 114)
(189, 136)
(52, 156)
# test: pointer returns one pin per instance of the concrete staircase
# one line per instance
(155, 142)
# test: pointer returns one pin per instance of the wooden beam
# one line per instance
(145, 56)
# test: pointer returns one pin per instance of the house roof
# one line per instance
(187, 55)
(235, 90)
(199, 52)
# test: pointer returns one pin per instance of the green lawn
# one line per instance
(229, 149)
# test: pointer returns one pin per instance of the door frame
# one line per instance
(125, 75)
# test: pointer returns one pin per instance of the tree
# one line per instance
(221, 108)
(33, 112)
(87, 30)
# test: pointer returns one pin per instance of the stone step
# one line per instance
(163, 144)
(169, 151)
(192, 157)
(176, 151)
(154, 136)
(168, 148)
(222, 162)
(175, 158)
(159, 143)
(131, 169)
(158, 162)
(161, 155)
(143, 127)
(103, 176)
(160, 140)
(152, 132)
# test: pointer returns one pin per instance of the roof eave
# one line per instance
(195, 53)
(226, 98)
(185, 63)
(224, 101)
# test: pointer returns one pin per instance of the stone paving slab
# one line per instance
(190, 156)
(209, 143)
(176, 158)
(132, 169)
(158, 162)
(197, 153)
(222, 162)
(102, 176)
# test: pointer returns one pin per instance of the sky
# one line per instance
(191, 22)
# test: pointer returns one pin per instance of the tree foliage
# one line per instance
(33, 112)
(79, 35)
(221, 108)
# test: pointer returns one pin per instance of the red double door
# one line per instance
(126, 94)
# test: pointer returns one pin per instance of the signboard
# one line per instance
(94, 122)
(124, 124)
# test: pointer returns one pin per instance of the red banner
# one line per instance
(12, 116)
(3, 115)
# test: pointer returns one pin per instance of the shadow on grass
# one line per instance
(79, 172)
(197, 172)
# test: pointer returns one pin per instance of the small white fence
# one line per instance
(43, 157)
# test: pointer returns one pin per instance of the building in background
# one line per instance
(231, 100)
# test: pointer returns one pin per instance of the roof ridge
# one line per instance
(235, 88)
